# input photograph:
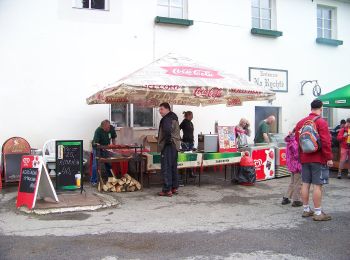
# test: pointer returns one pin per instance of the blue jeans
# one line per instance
(169, 168)
(94, 175)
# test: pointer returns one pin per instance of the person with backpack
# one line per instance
(294, 166)
(314, 140)
(344, 139)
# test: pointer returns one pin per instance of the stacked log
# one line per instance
(124, 184)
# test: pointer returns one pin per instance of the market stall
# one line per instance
(181, 81)
(339, 98)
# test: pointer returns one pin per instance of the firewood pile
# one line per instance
(126, 183)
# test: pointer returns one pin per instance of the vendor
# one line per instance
(186, 126)
(104, 135)
(242, 132)
(262, 133)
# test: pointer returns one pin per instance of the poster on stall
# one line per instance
(264, 160)
(227, 139)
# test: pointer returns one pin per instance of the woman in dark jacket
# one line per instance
(186, 126)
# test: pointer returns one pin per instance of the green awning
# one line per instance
(339, 98)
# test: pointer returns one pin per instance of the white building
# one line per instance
(56, 53)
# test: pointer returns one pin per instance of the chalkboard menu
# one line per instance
(12, 167)
(69, 162)
(28, 180)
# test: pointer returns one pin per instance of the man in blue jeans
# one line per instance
(104, 135)
(169, 145)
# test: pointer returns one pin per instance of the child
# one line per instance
(294, 166)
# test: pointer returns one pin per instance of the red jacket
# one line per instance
(342, 139)
(325, 153)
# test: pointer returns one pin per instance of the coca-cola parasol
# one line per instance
(180, 81)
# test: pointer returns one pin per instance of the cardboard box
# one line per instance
(151, 142)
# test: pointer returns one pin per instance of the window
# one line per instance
(91, 4)
(172, 8)
(132, 116)
(325, 22)
(262, 14)
(327, 114)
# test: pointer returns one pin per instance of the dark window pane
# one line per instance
(143, 117)
(85, 3)
(98, 4)
(119, 114)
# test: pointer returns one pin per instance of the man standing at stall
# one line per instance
(104, 135)
(262, 134)
(169, 145)
(314, 141)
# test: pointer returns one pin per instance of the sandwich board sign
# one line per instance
(34, 182)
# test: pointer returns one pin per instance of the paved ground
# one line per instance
(215, 221)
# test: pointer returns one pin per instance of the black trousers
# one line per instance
(169, 168)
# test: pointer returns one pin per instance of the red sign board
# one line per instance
(31, 176)
(283, 158)
(264, 160)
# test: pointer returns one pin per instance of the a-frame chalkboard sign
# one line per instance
(69, 163)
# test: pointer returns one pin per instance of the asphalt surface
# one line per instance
(211, 222)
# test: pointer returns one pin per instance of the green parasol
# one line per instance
(339, 98)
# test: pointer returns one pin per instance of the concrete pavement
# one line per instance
(209, 222)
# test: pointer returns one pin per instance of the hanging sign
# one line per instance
(34, 182)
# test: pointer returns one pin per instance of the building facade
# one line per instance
(56, 53)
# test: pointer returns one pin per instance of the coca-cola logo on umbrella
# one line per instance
(192, 72)
(207, 92)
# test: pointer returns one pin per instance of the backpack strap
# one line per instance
(316, 118)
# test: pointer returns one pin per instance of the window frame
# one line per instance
(330, 116)
(130, 118)
(333, 29)
(272, 19)
(184, 8)
(107, 5)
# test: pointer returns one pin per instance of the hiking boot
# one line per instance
(297, 203)
(285, 201)
(322, 217)
(174, 191)
(165, 194)
(339, 175)
(307, 214)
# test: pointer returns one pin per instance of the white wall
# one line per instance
(51, 59)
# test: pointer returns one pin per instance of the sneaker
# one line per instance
(297, 203)
(285, 201)
(165, 194)
(174, 191)
(307, 214)
(322, 217)
(339, 175)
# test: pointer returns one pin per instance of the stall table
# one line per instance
(195, 160)
(123, 157)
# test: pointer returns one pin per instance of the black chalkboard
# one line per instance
(69, 162)
(12, 167)
(28, 180)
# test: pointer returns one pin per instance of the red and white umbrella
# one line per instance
(180, 81)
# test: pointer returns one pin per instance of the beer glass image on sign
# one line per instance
(28, 180)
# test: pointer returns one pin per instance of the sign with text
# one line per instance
(34, 182)
(264, 160)
(69, 162)
(272, 79)
(227, 139)
(12, 151)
